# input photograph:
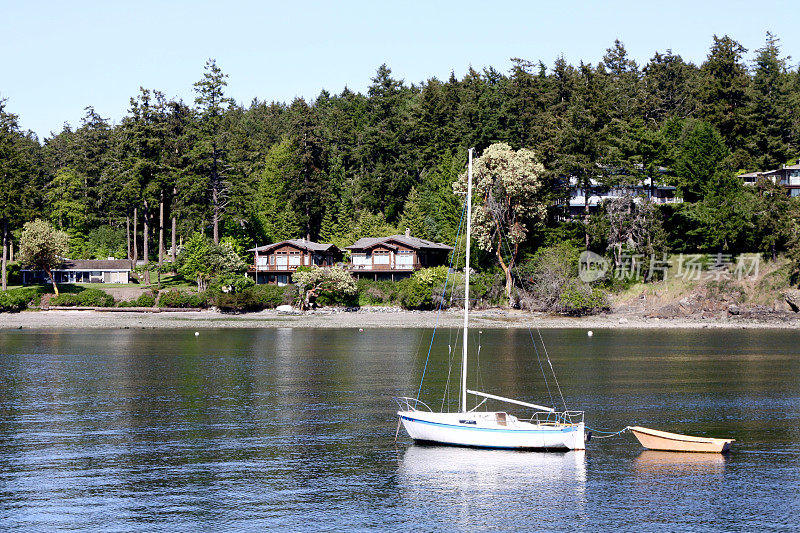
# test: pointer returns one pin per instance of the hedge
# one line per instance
(13, 301)
(181, 299)
(85, 298)
(255, 298)
(144, 300)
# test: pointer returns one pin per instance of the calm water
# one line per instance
(138, 430)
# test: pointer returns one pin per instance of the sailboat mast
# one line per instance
(466, 288)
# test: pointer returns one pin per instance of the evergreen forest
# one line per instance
(347, 165)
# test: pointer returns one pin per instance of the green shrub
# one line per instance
(547, 275)
(30, 296)
(144, 300)
(13, 301)
(66, 299)
(579, 299)
(415, 294)
(254, 298)
(377, 292)
(431, 276)
(187, 300)
(487, 289)
(86, 298)
(232, 282)
(14, 273)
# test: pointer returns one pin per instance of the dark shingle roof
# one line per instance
(95, 264)
(299, 243)
(412, 242)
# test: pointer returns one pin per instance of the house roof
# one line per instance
(416, 243)
(303, 244)
(770, 172)
(95, 264)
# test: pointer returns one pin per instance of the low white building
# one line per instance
(598, 192)
(83, 271)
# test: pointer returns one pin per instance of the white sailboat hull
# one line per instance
(491, 430)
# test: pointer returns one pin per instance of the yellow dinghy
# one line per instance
(674, 442)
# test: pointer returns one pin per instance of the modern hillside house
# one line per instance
(395, 257)
(597, 193)
(83, 271)
(787, 175)
(274, 263)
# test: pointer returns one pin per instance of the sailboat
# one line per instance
(546, 429)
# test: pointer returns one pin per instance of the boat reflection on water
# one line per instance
(483, 489)
(659, 463)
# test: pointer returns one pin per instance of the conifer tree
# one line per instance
(723, 95)
(212, 104)
(770, 113)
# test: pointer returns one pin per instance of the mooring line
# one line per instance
(609, 433)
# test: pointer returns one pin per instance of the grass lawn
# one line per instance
(170, 282)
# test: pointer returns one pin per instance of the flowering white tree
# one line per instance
(508, 190)
(43, 246)
(315, 280)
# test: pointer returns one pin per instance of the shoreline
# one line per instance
(375, 318)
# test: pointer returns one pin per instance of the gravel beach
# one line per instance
(370, 318)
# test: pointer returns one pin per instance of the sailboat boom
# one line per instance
(509, 400)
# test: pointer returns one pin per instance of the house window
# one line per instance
(294, 258)
(380, 257)
(282, 259)
(404, 259)
(360, 259)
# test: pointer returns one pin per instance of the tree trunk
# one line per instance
(128, 234)
(308, 222)
(506, 270)
(586, 185)
(146, 235)
(5, 253)
(161, 231)
(174, 226)
(215, 216)
(53, 279)
(135, 231)
(215, 193)
(10, 249)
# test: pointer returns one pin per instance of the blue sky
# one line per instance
(56, 58)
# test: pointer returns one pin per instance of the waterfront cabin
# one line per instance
(83, 271)
(395, 257)
(274, 263)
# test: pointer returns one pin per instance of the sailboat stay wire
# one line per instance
(441, 302)
(544, 347)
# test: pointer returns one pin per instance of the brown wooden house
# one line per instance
(274, 263)
(395, 257)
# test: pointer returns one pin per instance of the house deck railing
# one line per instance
(384, 268)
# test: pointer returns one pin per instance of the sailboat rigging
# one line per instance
(545, 429)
